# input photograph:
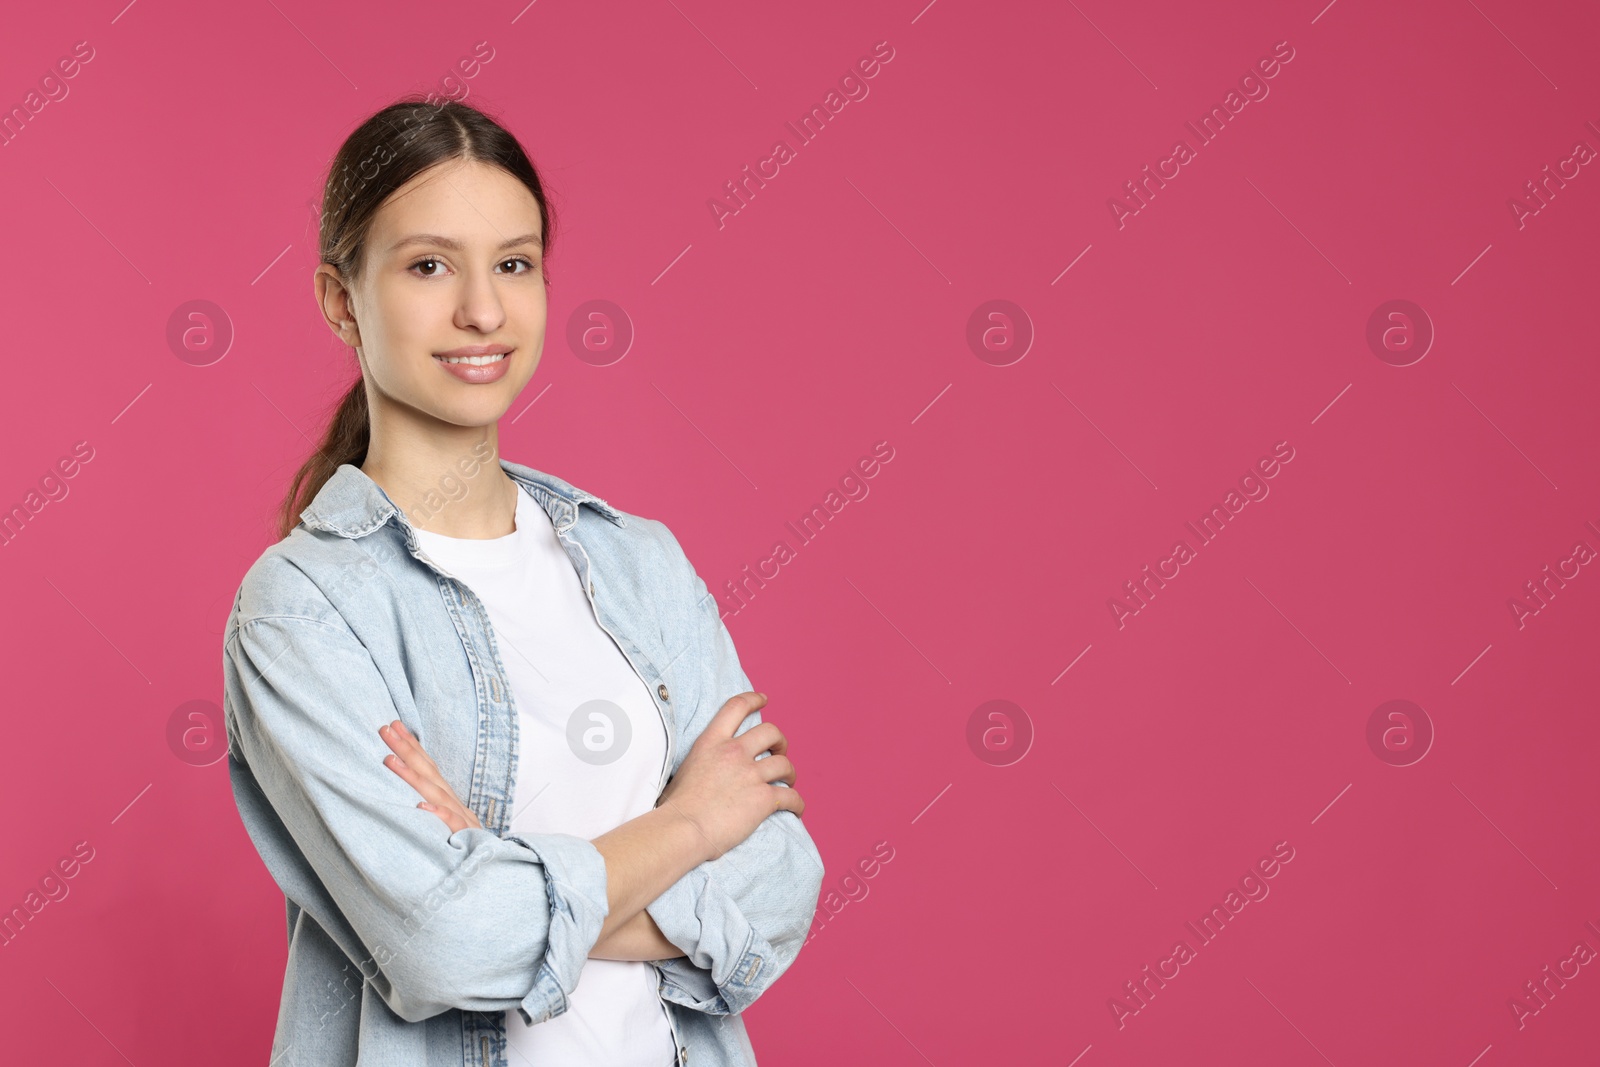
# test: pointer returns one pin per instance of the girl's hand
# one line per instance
(417, 767)
(722, 788)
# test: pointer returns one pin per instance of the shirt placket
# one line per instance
(581, 562)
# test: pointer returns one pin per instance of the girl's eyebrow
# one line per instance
(455, 245)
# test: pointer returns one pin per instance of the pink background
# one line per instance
(830, 313)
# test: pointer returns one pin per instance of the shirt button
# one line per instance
(661, 691)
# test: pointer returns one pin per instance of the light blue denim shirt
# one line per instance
(407, 943)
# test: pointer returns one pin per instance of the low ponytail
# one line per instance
(349, 432)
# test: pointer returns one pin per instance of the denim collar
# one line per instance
(350, 504)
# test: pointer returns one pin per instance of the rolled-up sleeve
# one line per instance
(741, 918)
(446, 920)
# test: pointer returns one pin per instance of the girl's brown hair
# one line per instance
(386, 151)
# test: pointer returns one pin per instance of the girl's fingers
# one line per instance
(405, 745)
(430, 788)
(399, 767)
(438, 798)
(452, 822)
(411, 754)
(399, 741)
(413, 764)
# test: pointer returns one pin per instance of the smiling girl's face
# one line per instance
(454, 265)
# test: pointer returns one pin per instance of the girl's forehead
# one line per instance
(472, 203)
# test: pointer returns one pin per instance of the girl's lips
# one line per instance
(467, 372)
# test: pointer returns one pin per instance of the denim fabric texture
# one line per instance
(408, 943)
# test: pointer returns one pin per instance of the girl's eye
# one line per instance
(434, 260)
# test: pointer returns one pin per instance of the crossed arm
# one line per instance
(637, 938)
(302, 694)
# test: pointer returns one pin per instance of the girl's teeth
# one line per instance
(476, 361)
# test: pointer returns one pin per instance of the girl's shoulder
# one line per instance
(306, 575)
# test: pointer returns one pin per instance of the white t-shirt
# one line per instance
(591, 747)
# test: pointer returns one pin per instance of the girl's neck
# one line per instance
(455, 488)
